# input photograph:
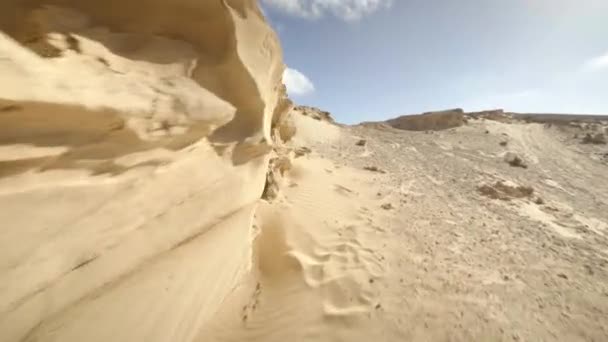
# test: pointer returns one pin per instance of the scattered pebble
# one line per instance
(301, 151)
(9, 108)
(374, 169)
(514, 160)
(387, 206)
(597, 139)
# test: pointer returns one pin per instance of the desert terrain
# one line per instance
(157, 184)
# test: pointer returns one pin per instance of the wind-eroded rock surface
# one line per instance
(431, 121)
(134, 140)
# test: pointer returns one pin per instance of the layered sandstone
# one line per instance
(134, 140)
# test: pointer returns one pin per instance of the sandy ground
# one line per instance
(416, 252)
(459, 266)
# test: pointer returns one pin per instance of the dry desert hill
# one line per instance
(156, 184)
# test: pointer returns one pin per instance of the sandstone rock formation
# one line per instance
(314, 113)
(431, 121)
(494, 114)
(129, 129)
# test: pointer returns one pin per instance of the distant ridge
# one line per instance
(450, 118)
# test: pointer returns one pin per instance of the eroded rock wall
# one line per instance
(129, 131)
(431, 121)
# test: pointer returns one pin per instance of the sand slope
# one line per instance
(467, 267)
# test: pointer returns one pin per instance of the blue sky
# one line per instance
(375, 59)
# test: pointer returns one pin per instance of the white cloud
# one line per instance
(344, 9)
(297, 83)
(597, 63)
